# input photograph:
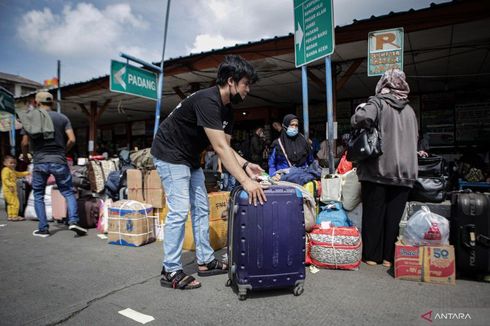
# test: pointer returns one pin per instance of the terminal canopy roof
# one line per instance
(446, 50)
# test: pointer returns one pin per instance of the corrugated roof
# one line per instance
(18, 79)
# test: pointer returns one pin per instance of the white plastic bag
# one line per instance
(30, 212)
(426, 228)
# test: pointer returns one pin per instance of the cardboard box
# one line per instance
(133, 228)
(135, 185)
(218, 204)
(432, 264)
(153, 189)
(218, 231)
(146, 187)
(218, 207)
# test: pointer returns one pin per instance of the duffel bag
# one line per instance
(431, 166)
(334, 248)
(428, 190)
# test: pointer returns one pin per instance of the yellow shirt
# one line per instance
(9, 178)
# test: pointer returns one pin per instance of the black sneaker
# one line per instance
(77, 229)
(41, 233)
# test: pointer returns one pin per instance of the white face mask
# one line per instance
(292, 131)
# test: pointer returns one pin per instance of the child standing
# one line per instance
(9, 178)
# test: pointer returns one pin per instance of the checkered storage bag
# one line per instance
(334, 248)
(98, 172)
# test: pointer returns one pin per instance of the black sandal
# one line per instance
(214, 267)
(178, 280)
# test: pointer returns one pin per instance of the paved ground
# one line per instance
(84, 281)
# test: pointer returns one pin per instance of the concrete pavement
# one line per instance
(84, 281)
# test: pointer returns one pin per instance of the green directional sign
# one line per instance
(128, 79)
(6, 101)
(313, 30)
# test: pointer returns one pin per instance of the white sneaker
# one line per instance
(77, 229)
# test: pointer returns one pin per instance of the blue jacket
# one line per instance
(277, 161)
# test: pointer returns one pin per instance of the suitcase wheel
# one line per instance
(242, 294)
(298, 290)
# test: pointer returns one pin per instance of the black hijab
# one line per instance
(297, 148)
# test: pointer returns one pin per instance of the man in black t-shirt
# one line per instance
(203, 118)
(49, 158)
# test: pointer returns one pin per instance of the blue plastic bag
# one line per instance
(334, 213)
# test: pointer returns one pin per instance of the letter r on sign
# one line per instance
(386, 38)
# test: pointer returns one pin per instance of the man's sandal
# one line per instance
(178, 280)
(214, 267)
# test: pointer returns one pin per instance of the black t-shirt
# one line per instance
(181, 138)
(52, 150)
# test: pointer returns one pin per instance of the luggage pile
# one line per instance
(443, 236)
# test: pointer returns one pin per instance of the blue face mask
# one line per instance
(291, 131)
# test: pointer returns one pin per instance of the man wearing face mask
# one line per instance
(291, 148)
(203, 118)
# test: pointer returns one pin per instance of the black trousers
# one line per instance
(382, 209)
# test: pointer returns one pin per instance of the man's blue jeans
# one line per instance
(184, 188)
(62, 174)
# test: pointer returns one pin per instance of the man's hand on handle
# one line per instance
(253, 170)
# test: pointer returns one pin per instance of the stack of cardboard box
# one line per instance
(218, 222)
(432, 264)
(146, 187)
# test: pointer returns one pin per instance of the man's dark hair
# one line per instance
(235, 67)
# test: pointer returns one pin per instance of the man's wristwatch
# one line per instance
(244, 166)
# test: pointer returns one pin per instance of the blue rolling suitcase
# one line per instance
(266, 242)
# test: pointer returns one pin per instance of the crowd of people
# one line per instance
(198, 134)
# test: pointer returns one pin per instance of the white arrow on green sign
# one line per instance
(128, 79)
(313, 30)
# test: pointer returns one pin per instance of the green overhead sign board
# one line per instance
(385, 51)
(128, 79)
(7, 103)
(313, 30)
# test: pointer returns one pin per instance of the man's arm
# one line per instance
(24, 144)
(253, 170)
(71, 139)
(229, 159)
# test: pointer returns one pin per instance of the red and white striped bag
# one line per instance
(334, 248)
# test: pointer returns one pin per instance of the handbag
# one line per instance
(365, 143)
(428, 190)
(431, 166)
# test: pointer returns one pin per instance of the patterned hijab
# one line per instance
(393, 82)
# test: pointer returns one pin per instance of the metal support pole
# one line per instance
(304, 82)
(160, 76)
(330, 131)
(12, 136)
(58, 93)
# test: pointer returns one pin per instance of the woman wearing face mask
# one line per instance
(290, 149)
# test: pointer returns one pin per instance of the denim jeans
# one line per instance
(62, 174)
(184, 189)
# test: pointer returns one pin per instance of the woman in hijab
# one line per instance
(291, 148)
(386, 180)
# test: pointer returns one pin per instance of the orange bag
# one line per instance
(344, 165)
